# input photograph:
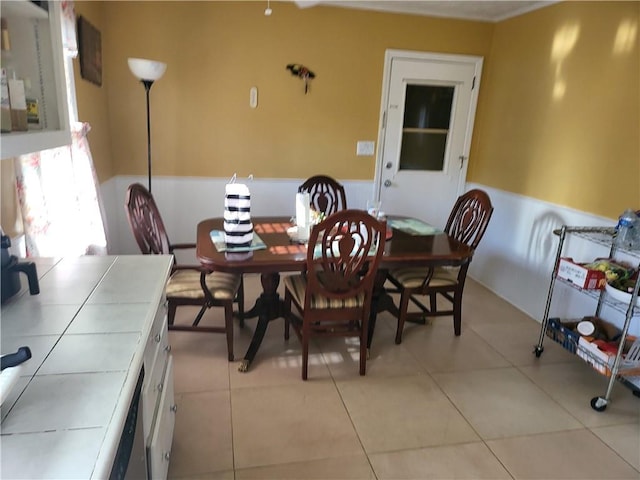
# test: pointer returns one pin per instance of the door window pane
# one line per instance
(427, 114)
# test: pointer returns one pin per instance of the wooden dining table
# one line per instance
(281, 254)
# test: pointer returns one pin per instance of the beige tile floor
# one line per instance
(478, 406)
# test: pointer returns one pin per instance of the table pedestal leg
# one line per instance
(268, 306)
(381, 302)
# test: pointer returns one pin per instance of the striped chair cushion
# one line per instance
(186, 284)
(412, 277)
(297, 284)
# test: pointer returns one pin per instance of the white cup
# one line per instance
(586, 328)
(373, 207)
(303, 216)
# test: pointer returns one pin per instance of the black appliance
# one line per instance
(11, 267)
(130, 462)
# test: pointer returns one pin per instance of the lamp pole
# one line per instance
(147, 86)
(147, 71)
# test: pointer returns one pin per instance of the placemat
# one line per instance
(413, 226)
(217, 237)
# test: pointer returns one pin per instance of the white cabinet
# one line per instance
(157, 397)
(95, 324)
(159, 446)
(36, 56)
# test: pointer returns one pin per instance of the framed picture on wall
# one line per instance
(90, 51)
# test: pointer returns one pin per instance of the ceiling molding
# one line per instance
(478, 10)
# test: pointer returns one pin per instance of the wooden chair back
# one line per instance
(145, 221)
(470, 217)
(343, 256)
(334, 295)
(188, 285)
(467, 223)
(326, 195)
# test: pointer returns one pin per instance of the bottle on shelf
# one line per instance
(33, 110)
(636, 239)
(15, 88)
(627, 230)
(5, 105)
(18, 102)
(6, 41)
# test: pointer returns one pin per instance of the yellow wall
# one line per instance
(558, 111)
(93, 105)
(216, 51)
(561, 107)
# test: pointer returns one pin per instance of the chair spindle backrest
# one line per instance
(326, 195)
(343, 255)
(469, 217)
(145, 221)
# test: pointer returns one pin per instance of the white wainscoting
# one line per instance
(514, 259)
(184, 201)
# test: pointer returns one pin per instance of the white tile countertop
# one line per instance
(87, 331)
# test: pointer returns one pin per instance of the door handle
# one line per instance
(387, 183)
(388, 165)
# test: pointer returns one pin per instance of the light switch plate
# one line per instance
(253, 97)
(365, 148)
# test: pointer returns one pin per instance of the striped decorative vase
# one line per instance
(238, 229)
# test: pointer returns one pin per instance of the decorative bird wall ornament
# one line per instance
(303, 72)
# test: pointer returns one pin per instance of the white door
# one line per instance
(429, 104)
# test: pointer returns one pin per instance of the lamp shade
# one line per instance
(146, 69)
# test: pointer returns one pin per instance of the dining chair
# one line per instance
(187, 285)
(467, 223)
(326, 195)
(332, 297)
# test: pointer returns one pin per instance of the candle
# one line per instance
(302, 215)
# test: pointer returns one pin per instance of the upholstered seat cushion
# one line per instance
(412, 277)
(297, 285)
(186, 284)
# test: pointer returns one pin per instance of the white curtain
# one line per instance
(69, 37)
(59, 200)
(57, 189)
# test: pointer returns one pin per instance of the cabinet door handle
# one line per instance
(167, 456)
(167, 349)
(158, 337)
(174, 408)
(160, 386)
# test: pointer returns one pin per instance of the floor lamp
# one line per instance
(147, 71)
